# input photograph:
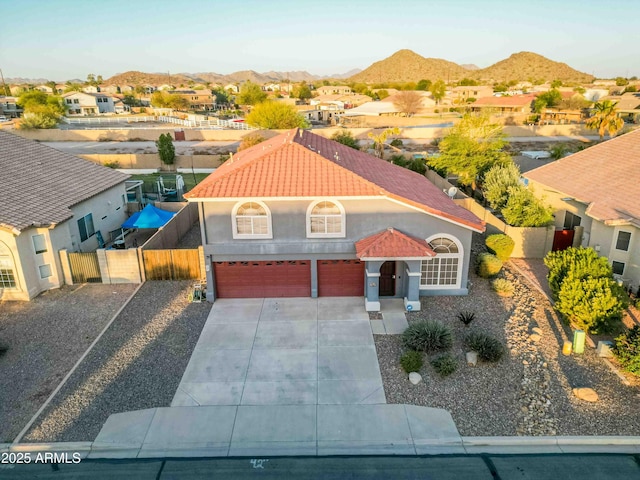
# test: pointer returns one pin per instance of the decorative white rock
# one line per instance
(586, 394)
(534, 337)
(537, 330)
(472, 358)
(415, 378)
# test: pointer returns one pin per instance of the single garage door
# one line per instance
(263, 279)
(340, 278)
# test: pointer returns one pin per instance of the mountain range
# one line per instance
(408, 66)
(402, 66)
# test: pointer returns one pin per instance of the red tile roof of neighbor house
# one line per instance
(40, 184)
(299, 163)
(605, 176)
(391, 243)
(505, 101)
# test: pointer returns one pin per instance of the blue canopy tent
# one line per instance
(148, 217)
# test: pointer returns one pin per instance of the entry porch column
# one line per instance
(412, 293)
(372, 279)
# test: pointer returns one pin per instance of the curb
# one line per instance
(470, 446)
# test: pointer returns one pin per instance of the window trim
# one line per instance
(459, 256)
(8, 273)
(249, 236)
(343, 220)
(44, 240)
(618, 241)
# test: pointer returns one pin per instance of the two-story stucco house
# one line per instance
(301, 215)
(53, 201)
(596, 196)
(81, 103)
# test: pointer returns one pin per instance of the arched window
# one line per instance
(8, 277)
(251, 220)
(325, 219)
(445, 269)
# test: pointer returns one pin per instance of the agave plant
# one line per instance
(466, 317)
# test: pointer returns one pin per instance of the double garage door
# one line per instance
(288, 278)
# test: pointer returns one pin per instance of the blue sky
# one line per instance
(63, 39)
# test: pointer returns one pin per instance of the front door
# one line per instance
(387, 286)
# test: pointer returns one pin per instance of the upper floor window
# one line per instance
(624, 238)
(325, 219)
(251, 220)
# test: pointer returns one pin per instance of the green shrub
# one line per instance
(524, 209)
(487, 347)
(580, 263)
(627, 350)
(427, 336)
(411, 361)
(445, 364)
(503, 287)
(488, 265)
(592, 304)
(114, 164)
(396, 142)
(500, 245)
(497, 182)
(466, 317)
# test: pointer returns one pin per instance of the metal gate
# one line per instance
(178, 264)
(85, 267)
(562, 239)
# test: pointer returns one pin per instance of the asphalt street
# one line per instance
(469, 467)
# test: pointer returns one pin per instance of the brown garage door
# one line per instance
(263, 279)
(340, 278)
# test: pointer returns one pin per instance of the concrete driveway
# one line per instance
(284, 351)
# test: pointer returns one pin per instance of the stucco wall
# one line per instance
(152, 160)
(289, 242)
(108, 212)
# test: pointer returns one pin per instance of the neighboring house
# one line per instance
(463, 94)
(300, 215)
(80, 103)
(628, 106)
(231, 88)
(597, 201)
(198, 99)
(112, 89)
(165, 87)
(342, 101)
(53, 201)
(506, 104)
(91, 89)
(9, 107)
(334, 90)
(45, 89)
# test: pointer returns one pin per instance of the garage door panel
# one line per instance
(340, 278)
(263, 279)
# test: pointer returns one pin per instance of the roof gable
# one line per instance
(391, 243)
(605, 176)
(299, 163)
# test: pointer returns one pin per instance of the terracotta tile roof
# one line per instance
(506, 101)
(391, 243)
(605, 176)
(40, 184)
(299, 163)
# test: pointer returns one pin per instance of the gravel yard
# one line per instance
(529, 392)
(46, 337)
(137, 364)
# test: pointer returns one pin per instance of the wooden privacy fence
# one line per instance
(171, 264)
(85, 267)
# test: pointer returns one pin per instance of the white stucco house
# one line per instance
(81, 103)
(54, 201)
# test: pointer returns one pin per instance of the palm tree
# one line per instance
(605, 118)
